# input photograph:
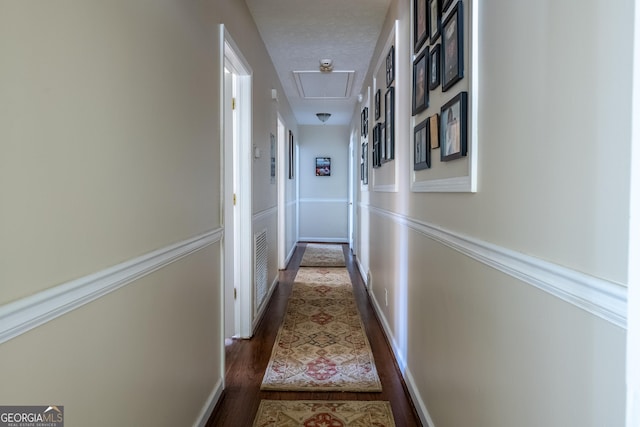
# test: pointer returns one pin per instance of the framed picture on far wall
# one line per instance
(421, 149)
(452, 48)
(420, 87)
(323, 166)
(453, 128)
(420, 27)
(376, 107)
(434, 131)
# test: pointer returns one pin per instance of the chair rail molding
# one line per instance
(30, 312)
(600, 297)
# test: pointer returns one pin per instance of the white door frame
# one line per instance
(282, 189)
(237, 181)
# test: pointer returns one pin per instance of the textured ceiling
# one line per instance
(299, 33)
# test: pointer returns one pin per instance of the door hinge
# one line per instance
(233, 103)
(235, 293)
(234, 199)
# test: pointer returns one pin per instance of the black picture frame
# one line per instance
(376, 107)
(377, 146)
(420, 92)
(434, 20)
(453, 128)
(452, 48)
(364, 122)
(390, 66)
(291, 155)
(420, 24)
(434, 131)
(365, 155)
(389, 126)
(421, 146)
(445, 5)
(323, 166)
(434, 67)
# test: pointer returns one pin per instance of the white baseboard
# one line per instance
(210, 405)
(324, 239)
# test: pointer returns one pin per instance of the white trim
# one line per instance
(265, 302)
(344, 200)
(210, 405)
(600, 297)
(27, 313)
(324, 239)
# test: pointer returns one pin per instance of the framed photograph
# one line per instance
(390, 66)
(421, 150)
(323, 166)
(365, 155)
(364, 121)
(434, 67)
(453, 128)
(389, 127)
(420, 30)
(376, 107)
(434, 131)
(273, 159)
(452, 48)
(291, 155)
(434, 18)
(420, 86)
(377, 146)
(445, 5)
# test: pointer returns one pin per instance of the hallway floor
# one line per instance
(246, 360)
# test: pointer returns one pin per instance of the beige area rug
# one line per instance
(322, 255)
(321, 344)
(315, 413)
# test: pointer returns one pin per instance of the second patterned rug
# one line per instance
(317, 413)
(321, 344)
(322, 255)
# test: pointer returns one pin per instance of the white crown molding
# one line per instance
(603, 298)
(342, 200)
(30, 312)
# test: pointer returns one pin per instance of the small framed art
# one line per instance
(376, 107)
(434, 131)
(434, 67)
(453, 128)
(291, 155)
(389, 126)
(452, 48)
(377, 146)
(323, 166)
(390, 66)
(421, 149)
(420, 28)
(434, 19)
(420, 87)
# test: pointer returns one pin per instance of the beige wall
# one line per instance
(554, 135)
(110, 150)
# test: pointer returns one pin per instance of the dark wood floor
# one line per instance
(246, 360)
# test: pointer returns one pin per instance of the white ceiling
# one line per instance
(299, 33)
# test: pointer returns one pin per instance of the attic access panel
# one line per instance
(317, 85)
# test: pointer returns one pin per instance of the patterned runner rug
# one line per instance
(315, 413)
(322, 255)
(321, 344)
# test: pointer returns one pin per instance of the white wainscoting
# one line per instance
(30, 312)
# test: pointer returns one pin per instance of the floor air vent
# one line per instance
(260, 269)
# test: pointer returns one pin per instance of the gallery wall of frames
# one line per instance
(443, 146)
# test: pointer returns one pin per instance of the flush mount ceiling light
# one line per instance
(326, 65)
(323, 117)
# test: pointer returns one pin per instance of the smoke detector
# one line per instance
(326, 65)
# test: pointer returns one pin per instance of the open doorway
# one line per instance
(237, 175)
